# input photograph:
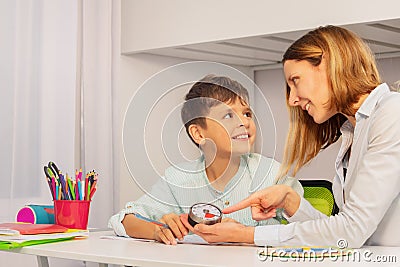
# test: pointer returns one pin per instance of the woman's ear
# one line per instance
(196, 132)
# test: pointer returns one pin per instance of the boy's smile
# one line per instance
(244, 137)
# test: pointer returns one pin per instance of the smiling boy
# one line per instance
(219, 121)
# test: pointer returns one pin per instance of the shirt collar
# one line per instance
(347, 131)
(370, 102)
(234, 180)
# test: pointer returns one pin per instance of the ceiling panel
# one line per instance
(195, 54)
(262, 43)
(377, 34)
(290, 36)
(379, 48)
(241, 51)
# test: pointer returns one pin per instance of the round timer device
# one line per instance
(204, 213)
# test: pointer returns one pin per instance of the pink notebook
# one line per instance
(30, 229)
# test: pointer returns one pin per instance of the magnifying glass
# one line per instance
(204, 213)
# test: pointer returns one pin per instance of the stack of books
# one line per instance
(15, 235)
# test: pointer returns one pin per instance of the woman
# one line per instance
(333, 89)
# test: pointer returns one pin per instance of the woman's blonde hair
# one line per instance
(351, 71)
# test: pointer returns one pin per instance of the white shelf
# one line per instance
(383, 38)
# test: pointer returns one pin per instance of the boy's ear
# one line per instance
(196, 132)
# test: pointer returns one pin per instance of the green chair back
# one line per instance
(319, 194)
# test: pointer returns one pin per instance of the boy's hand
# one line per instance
(176, 229)
(224, 220)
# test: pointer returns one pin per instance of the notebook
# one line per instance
(15, 235)
(30, 229)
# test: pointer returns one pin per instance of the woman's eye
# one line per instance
(295, 80)
(228, 116)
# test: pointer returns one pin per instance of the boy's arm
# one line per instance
(138, 228)
(125, 223)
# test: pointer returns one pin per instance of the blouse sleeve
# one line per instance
(306, 212)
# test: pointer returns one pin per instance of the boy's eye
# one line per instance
(228, 116)
(248, 114)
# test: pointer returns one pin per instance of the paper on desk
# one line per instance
(188, 239)
(193, 239)
(114, 237)
(198, 240)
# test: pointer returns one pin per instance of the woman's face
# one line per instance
(309, 88)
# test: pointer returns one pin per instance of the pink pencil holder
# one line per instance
(72, 214)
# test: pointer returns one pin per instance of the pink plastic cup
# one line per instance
(72, 214)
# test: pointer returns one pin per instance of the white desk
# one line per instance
(136, 253)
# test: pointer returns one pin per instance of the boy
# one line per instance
(219, 121)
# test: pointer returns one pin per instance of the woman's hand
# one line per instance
(264, 203)
(168, 235)
(227, 231)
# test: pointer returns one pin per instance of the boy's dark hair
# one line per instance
(206, 93)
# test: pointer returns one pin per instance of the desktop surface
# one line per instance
(138, 253)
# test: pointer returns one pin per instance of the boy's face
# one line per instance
(231, 128)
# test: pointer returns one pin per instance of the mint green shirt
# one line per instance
(187, 184)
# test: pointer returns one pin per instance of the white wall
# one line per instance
(272, 86)
(134, 71)
(390, 69)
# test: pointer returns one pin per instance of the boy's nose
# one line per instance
(244, 121)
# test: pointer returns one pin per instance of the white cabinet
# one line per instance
(250, 33)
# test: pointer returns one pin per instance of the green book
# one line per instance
(6, 245)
